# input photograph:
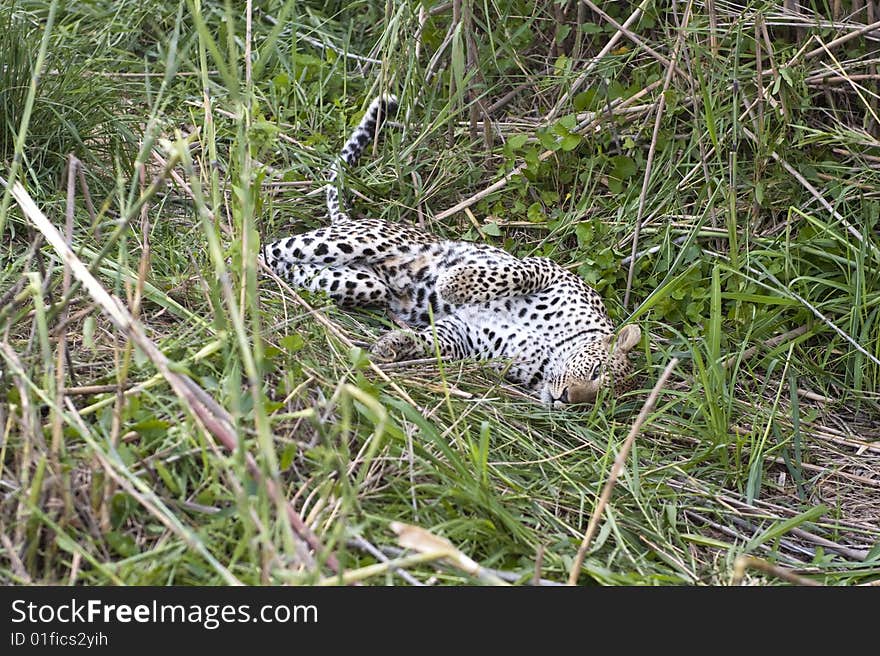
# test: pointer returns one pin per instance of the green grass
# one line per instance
(760, 217)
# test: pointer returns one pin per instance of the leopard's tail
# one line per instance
(381, 107)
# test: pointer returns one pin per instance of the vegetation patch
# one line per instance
(169, 415)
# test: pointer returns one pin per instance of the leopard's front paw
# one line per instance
(395, 346)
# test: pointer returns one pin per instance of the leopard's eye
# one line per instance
(594, 373)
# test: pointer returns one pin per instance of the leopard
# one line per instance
(539, 324)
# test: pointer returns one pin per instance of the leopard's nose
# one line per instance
(563, 397)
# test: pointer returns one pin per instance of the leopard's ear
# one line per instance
(627, 338)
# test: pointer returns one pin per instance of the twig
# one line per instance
(841, 40)
(504, 100)
(857, 88)
(435, 58)
(539, 563)
(504, 575)
(758, 508)
(774, 69)
(355, 576)
(713, 27)
(417, 189)
(868, 158)
(360, 543)
(771, 343)
(594, 61)
(725, 530)
(440, 9)
(90, 390)
(121, 227)
(741, 507)
(636, 40)
(826, 471)
(861, 555)
(743, 563)
(476, 81)
(423, 19)
(820, 79)
(75, 561)
(580, 19)
(617, 467)
(426, 543)
(804, 552)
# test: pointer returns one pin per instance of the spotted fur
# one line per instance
(539, 323)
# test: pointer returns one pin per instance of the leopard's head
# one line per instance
(600, 363)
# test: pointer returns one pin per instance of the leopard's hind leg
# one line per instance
(339, 259)
(348, 285)
(365, 241)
